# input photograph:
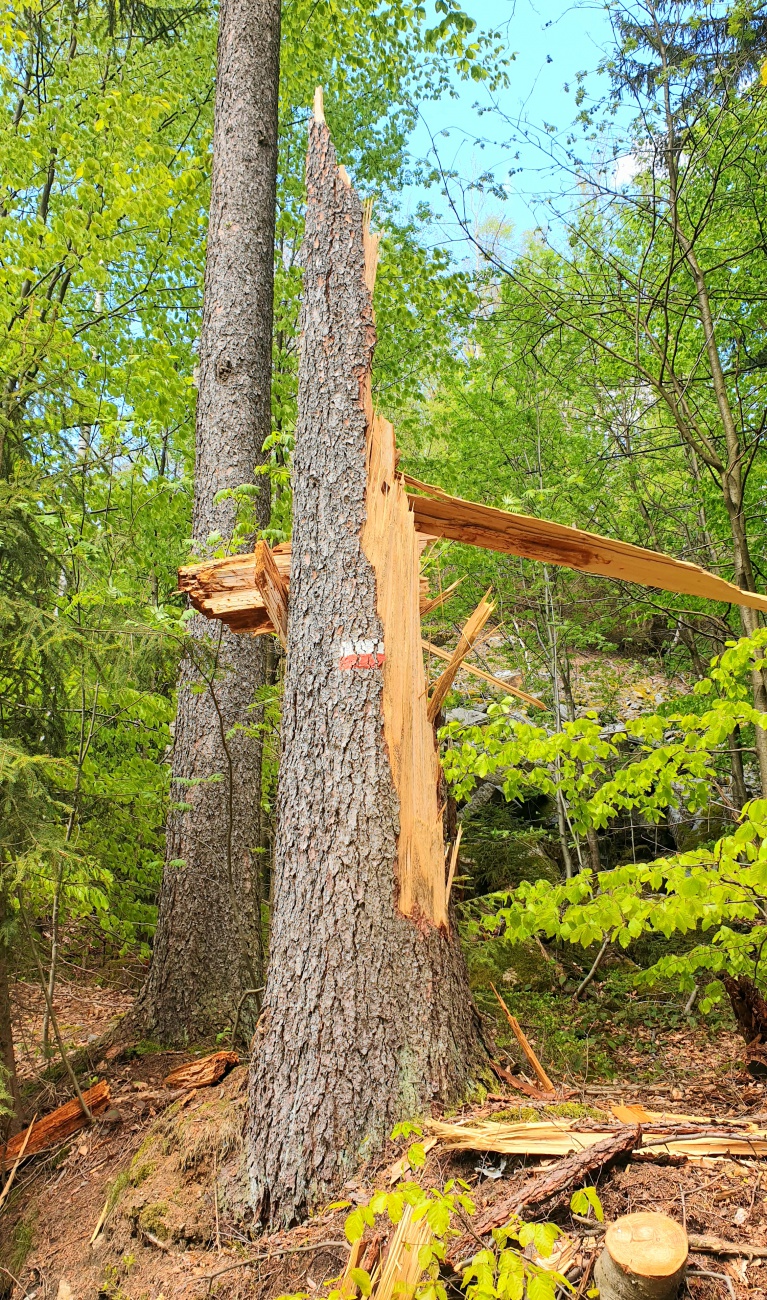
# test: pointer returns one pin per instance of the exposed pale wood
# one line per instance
(390, 543)
(644, 1258)
(402, 1269)
(500, 685)
(348, 1288)
(226, 589)
(469, 633)
(634, 1114)
(521, 1084)
(274, 590)
(553, 1139)
(428, 606)
(319, 104)
(202, 1073)
(538, 539)
(402, 1166)
(532, 1059)
(453, 865)
(59, 1124)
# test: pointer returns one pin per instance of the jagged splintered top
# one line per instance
(319, 106)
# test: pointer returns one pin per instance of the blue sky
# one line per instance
(553, 41)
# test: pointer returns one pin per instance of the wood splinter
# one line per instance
(469, 633)
(644, 1258)
(273, 589)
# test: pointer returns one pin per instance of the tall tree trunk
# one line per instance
(731, 466)
(7, 1056)
(206, 951)
(367, 1015)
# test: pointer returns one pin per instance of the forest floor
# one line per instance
(169, 1172)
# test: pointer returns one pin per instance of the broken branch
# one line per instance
(469, 633)
(533, 1061)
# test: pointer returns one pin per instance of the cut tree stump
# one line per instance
(59, 1124)
(644, 1258)
(203, 1073)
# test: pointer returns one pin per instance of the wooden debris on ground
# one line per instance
(705, 1244)
(401, 1270)
(521, 1084)
(521, 1038)
(549, 1184)
(645, 1257)
(202, 1073)
(273, 587)
(59, 1124)
(442, 515)
(402, 1166)
(560, 1138)
(469, 633)
(9, 1183)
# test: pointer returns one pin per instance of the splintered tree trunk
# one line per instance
(207, 944)
(368, 1016)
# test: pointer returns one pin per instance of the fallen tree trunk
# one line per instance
(59, 1124)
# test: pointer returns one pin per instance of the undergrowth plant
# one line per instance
(503, 1270)
(658, 762)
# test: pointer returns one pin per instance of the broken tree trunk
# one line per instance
(367, 1014)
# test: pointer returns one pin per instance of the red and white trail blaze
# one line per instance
(361, 654)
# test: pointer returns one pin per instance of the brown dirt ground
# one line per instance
(170, 1173)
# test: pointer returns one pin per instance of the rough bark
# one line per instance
(207, 944)
(367, 1015)
(7, 1055)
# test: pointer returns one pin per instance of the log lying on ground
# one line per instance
(570, 1172)
(644, 1258)
(202, 1073)
(59, 1124)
